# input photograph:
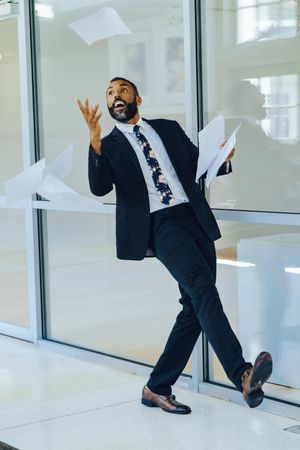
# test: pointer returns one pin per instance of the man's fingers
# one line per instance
(81, 106)
(94, 110)
(231, 154)
(95, 115)
(222, 145)
(94, 121)
(90, 114)
(98, 116)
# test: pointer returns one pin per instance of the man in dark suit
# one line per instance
(162, 211)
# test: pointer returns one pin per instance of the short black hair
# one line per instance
(135, 89)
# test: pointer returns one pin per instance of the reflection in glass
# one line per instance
(14, 308)
(256, 85)
(98, 302)
(259, 284)
(174, 61)
(282, 106)
(261, 20)
(135, 65)
(265, 168)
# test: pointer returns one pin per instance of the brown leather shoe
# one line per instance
(168, 404)
(255, 377)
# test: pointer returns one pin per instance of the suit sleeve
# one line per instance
(194, 152)
(100, 174)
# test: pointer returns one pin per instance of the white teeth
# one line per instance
(117, 104)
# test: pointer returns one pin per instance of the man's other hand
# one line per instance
(231, 154)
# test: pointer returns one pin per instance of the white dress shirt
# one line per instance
(163, 160)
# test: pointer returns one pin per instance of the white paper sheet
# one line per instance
(47, 182)
(221, 157)
(57, 191)
(61, 166)
(24, 184)
(51, 188)
(211, 155)
(103, 24)
(210, 139)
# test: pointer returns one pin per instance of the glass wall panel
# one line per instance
(98, 302)
(259, 284)
(94, 300)
(10, 118)
(152, 57)
(251, 76)
(14, 307)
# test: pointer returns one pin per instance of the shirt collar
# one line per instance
(128, 127)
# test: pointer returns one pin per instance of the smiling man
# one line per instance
(162, 212)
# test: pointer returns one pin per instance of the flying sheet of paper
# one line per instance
(61, 166)
(221, 157)
(47, 182)
(24, 184)
(210, 139)
(55, 190)
(103, 24)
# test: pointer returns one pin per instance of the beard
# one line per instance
(128, 112)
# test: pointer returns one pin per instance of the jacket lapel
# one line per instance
(119, 137)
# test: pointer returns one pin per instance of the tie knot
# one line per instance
(136, 129)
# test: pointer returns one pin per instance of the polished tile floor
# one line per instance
(54, 401)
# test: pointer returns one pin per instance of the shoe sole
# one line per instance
(262, 371)
(154, 405)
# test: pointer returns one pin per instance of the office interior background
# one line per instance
(60, 280)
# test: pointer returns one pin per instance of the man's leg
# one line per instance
(178, 349)
(181, 245)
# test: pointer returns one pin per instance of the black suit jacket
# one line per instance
(118, 165)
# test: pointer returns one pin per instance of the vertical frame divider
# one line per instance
(193, 115)
(27, 115)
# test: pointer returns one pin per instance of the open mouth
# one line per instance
(119, 104)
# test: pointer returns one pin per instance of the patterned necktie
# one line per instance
(165, 194)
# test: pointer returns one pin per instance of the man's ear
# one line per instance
(139, 100)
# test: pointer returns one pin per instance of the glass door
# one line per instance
(251, 75)
(93, 300)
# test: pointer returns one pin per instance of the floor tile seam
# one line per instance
(68, 415)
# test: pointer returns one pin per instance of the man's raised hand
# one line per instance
(92, 116)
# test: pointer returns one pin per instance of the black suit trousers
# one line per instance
(189, 255)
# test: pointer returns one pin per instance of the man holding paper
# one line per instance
(161, 211)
